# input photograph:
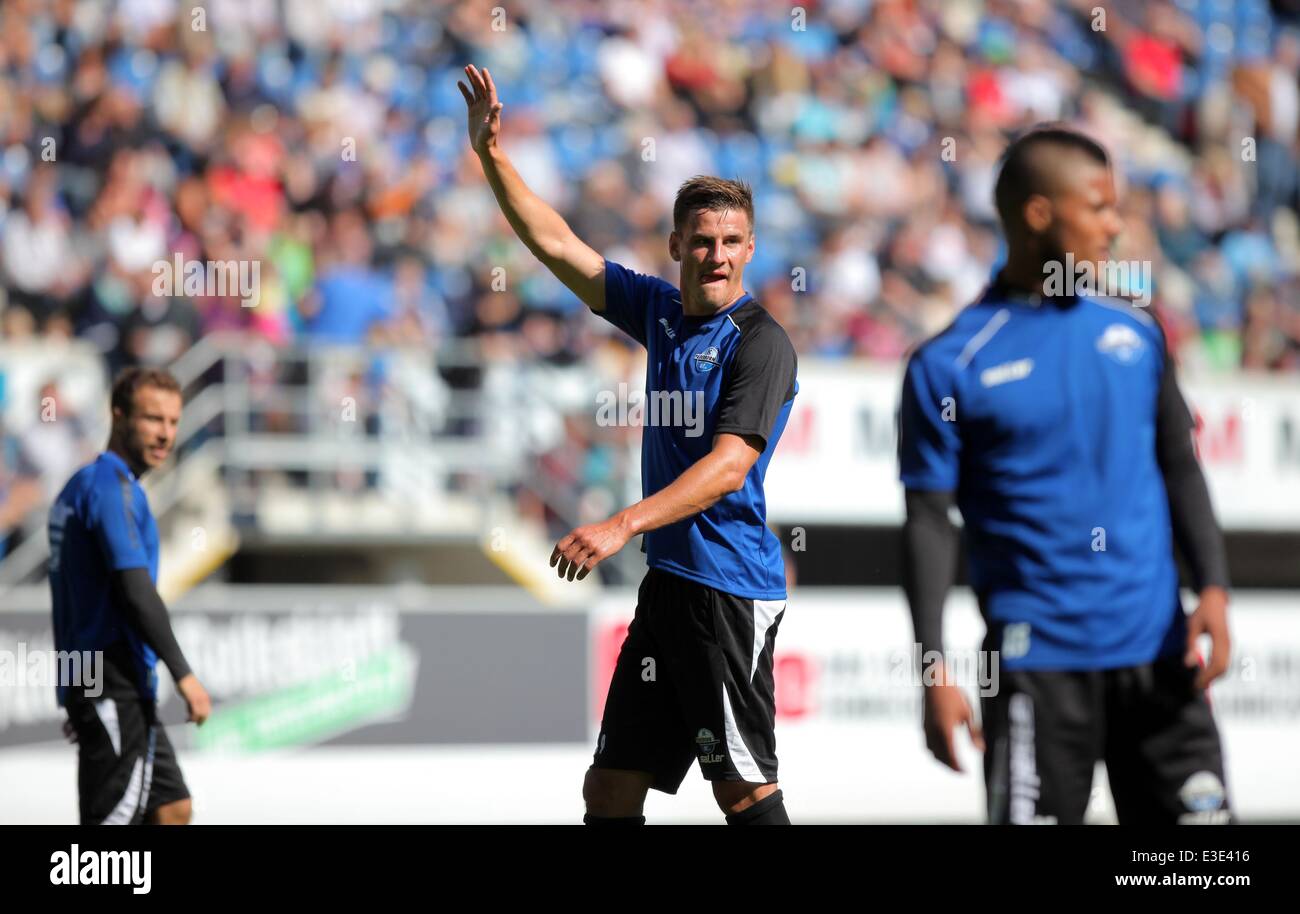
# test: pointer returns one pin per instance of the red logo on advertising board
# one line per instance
(795, 673)
(608, 642)
(796, 680)
(798, 435)
(1221, 442)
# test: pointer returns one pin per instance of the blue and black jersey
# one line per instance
(739, 367)
(1045, 418)
(101, 524)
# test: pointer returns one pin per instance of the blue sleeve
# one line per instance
(630, 299)
(116, 523)
(929, 446)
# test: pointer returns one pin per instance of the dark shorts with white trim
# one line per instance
(126, 767)
(1045, 730)
(693, 682)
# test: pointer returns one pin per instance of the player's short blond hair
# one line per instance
(713, 195)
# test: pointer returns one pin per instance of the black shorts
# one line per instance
(693, 682)
(126, 767)
(1045, 730)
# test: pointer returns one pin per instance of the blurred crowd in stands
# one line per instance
(325, 140)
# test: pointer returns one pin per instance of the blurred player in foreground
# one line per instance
(103, 565)
(1055, 423)
(694, 679)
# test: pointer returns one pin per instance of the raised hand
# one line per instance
(484, 109)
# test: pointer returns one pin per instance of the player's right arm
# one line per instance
(145, 611)
(1196, 531)
(117, 532)
(542, 230)
(928, 451)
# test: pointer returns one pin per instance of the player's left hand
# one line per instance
(484, 108)
(1210, 618)
(196, 698)
(586, 547)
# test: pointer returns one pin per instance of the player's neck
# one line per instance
(118, 447)
(1023, 274)
(701, 309)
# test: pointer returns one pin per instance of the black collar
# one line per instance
(998, 290)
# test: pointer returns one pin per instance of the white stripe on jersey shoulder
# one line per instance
(1125, 307)
(733, 322)
(978, 341)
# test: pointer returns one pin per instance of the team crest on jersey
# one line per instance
(704, 361)
(1122, 343)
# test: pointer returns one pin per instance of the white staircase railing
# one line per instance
(254, 413)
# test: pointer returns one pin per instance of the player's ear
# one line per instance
(675, 247)
(1038, 213)
(749, 249)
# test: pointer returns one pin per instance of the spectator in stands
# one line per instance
(58, 442)
(321, 145)
(20, 489)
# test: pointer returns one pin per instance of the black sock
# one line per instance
(768, 811)
(589, 819)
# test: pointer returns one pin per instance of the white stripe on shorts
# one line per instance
(148, 768)
(106, 709)
(744, 763)
(765, 613)
(1023, 765)
(124, 812)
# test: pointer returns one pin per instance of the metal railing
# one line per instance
(405, 425)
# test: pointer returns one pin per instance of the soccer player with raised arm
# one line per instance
(694, 679)
(103, 565)
(1055, 423)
